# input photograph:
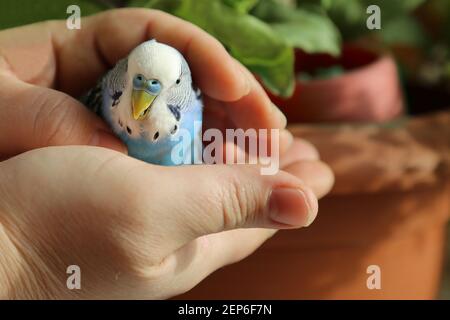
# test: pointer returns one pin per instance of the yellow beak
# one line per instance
(141, 102)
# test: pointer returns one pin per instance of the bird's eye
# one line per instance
(138, 81)
(154, 86)
(178, 81)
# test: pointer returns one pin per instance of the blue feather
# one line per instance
(160, 152)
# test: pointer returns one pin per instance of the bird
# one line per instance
(151, 103)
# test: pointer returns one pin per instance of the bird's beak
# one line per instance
(141, 102)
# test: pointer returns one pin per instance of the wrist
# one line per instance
(18, 277)
(9, 264)
(20, 270)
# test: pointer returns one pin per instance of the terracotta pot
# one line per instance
(368, 91)
(389, 208)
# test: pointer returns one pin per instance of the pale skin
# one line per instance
(69, 194)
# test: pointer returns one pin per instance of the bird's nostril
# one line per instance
(156, 135)
(174, 129)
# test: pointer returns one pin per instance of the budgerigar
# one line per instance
(150, 102)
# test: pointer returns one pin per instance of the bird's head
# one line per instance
(158, 86)
(154, 69)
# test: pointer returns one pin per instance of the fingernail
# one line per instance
(293, 207)
(107, 140)
(279, 115)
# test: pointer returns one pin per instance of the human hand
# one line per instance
(35, 116)
(135, 230)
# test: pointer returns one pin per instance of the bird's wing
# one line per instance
(114, 81)
(182, 97)
(93, 99)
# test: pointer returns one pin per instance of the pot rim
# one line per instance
(372, 157)
(379, 59)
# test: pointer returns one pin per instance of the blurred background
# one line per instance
(370, 86)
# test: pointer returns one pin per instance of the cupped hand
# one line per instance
(136, 230)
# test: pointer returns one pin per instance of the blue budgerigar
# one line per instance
(150, 102)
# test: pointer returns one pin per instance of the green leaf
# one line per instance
(165, 5)
(403, 30)
(311, 32)
(326, 3)
(248, 39)
(242, 6)
(447, 70)
(308, 28)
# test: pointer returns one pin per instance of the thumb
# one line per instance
(208, 199)
(34, 117)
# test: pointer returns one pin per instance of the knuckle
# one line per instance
(54, 122)
(239, 203)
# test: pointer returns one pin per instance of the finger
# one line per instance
(315, 174)
(213, 68)
(217, 74)
(255, 110)
(27, 52)
(263, 151)
(208, 253)
(301, 162)
(104, 38)
(217, 117)
(224, 198)
(33, 117)
(198, 259)
(300, 149)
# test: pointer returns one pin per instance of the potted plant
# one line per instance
(344, 88)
